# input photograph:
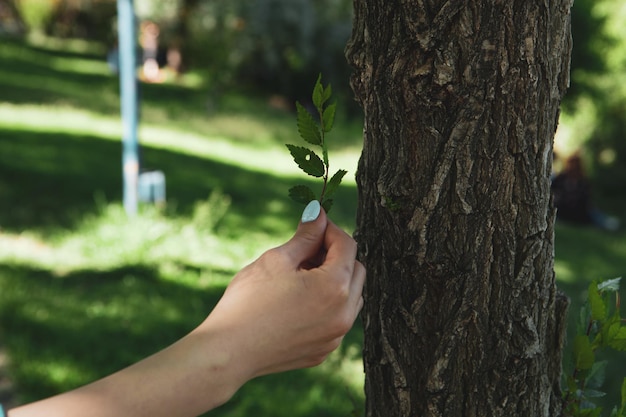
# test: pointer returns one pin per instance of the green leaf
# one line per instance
(328, 117)
(610, 285)
(328, 91)
(327, 205)
(583, 354)
(307, 160)
(318, 93)
(597, 375)
(591, 412)
(307, 127)
(592, 393)
(609, 330)
(623, 407)
(301, 194)
(334, 182)
(598, 308)
(618, 340)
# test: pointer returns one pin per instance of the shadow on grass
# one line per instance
(90, 323)
(50, 180)
(28, 75)
(36, 75)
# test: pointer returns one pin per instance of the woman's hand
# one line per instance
(292, 306)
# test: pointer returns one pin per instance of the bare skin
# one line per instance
(287, 310)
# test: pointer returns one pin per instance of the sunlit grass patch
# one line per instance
(109, 237)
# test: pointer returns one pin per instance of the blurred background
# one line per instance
(86, 290)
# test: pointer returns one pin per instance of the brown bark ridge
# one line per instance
(455, 223)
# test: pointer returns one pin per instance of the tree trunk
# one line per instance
(455, 222)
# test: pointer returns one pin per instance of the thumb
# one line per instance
(307, 243)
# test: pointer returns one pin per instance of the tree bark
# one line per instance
(455, 224)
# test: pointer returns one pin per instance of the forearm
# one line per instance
(196, 374)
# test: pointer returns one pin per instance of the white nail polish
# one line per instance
(311, 211)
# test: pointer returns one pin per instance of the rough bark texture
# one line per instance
(455, 225)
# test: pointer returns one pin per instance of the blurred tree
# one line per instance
(93, 20)
(272, 46)
(279, 46)
(286, 50)
(455, 226)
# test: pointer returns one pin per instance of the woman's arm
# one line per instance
(197, 373)
(288, 309)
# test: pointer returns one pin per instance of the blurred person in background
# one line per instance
(149, 40)
(573, 198)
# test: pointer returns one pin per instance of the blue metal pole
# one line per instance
(129, 103)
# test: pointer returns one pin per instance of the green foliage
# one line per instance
(285, 43)
(600, 327)
(314, 132)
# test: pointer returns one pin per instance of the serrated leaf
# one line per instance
(618, 340)
(583, 355)
(327, 204)
(328, 117)
(307, 127)
(301, 194)
(598, 307)
(318, 93)
(333, 183)
(328, 91)
(307, 160)
(597, 375)
(610, 285)
(609, 330)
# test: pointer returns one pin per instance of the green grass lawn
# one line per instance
(84, 290)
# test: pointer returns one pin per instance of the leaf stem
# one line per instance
(320, 111)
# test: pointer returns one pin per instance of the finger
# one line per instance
(315, 261)
(356, 287)
(308, 240)
(340, 250)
